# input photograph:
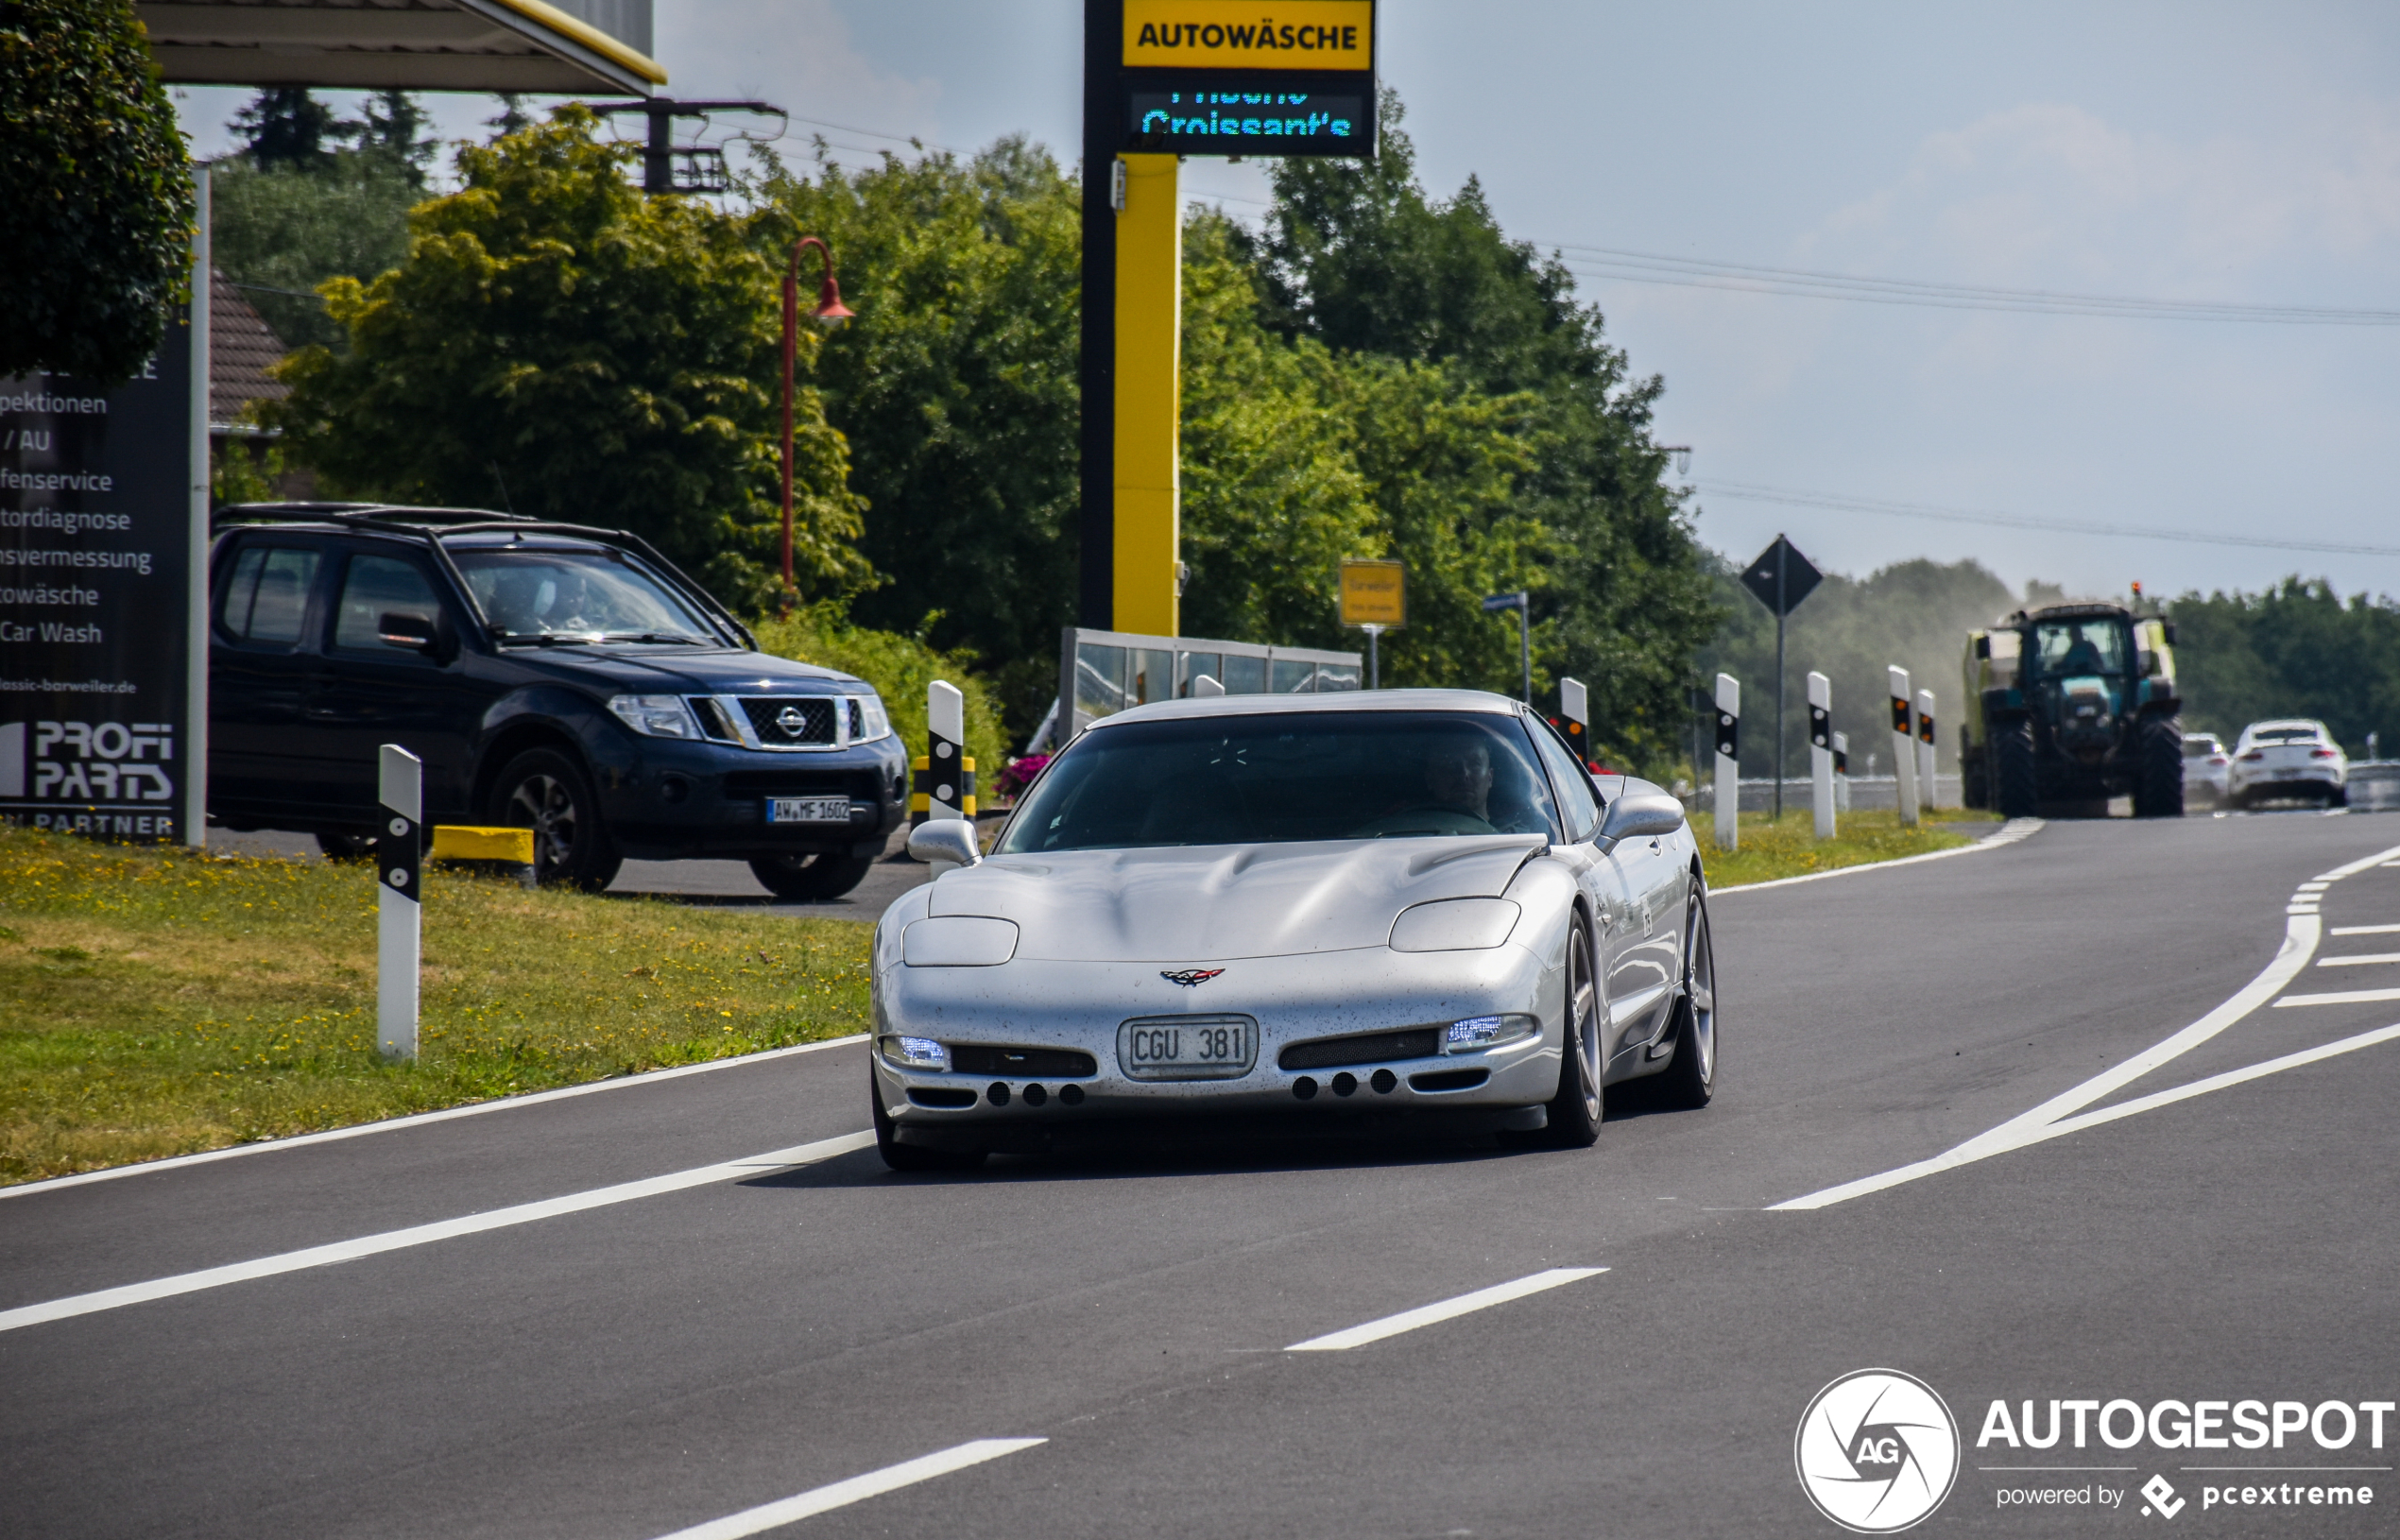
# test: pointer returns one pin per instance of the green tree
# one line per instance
(286, 126)
(282, 232)
(1356, 255)
(393, 130)
(2297, 649)
(99, 200)
(558, 343)
(955, 390)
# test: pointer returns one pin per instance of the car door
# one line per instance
(1648, 965)
(368, 691)
(1602, 879)
(266, 594)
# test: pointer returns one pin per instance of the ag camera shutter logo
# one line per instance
(1876, 1451)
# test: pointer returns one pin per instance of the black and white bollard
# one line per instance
(1928, 789)
(1842, 770)
(1728, 761)
(1821, 752)
(1903, 745)
(949, 774)
(399, 895)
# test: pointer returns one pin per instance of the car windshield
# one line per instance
(1280, 776)
(2072, 647)
(534, 595)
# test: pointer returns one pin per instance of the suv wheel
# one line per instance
(812, 877)
(548, 793)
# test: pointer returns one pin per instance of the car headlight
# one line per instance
(1455, 925)
(656, 716)
(868, 720)
(915, 1053)
(1476, 1033)
(958, 941)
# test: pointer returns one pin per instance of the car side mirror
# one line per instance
(945, 838)
(415, 632)
(1640, 815)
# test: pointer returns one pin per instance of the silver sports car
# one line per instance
(1396, 908)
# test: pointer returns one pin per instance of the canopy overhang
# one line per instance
(406, 45)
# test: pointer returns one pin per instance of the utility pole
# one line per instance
(657, 149)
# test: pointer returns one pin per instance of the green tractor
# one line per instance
(2069, 706)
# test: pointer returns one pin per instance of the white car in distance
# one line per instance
(2294, 758)
(2205, 767)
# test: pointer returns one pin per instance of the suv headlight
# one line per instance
(868, 720)
(915, 1053)
(1478, 1032)
(656, 716)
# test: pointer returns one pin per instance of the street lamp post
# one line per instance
(1524, 631)
(829, 311)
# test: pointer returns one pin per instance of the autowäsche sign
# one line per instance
(1238, 77)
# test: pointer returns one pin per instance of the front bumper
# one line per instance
(1080, 1007)
(672, 799)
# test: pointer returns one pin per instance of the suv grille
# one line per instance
(1367, 1048)
(783, 721)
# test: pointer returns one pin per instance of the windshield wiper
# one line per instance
(653, 636)
(549, 638)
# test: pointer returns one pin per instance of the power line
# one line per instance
(1745, 491)
(1698, 273)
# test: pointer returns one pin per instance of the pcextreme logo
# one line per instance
(1876, 1451)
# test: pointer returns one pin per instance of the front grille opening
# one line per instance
(714, 720)
(858, 785)
(940, 1096)
(1448, 1080)
(1021, 1063)
(1364, 1047)
(781, 721)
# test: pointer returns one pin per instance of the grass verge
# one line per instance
(155, 1003)
(1789, 847)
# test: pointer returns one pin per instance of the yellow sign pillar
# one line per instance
(1149, 403)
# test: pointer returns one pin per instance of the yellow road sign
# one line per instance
(1247, 35)
(1374, 593)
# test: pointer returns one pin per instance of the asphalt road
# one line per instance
(660, 1359)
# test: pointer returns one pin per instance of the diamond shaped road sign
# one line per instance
(1799, 578)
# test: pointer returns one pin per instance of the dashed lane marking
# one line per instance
(2340, 997)
(1426, 1315)
(2359, 960)
(422, 1235)
(774, 1515)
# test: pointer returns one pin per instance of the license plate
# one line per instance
(1188, 1047)
(2286, 775)
(808, 810)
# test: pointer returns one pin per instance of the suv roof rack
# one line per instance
(366, 512)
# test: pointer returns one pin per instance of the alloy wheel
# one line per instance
(543, 803)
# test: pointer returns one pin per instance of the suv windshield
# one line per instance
(1285, 776)
(585, 595)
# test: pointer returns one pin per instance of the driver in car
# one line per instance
(1458, 775)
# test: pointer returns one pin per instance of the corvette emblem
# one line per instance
(1191, 978)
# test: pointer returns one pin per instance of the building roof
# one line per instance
(241, 348)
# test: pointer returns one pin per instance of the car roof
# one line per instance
(1338, 700)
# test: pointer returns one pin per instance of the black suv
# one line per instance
(551, 676)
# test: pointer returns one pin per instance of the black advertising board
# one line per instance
(102, 534)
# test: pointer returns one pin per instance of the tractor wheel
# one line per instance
(2158, 785)
(1974, 790)
(2018, 789)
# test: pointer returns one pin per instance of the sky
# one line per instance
(2191, 152)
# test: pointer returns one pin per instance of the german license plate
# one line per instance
(808, 810)
(1187, 1047)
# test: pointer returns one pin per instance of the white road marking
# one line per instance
(2301, 933)
(2360, 960)
(774, 1515)
(505, 1103)
(2364, 930)
(1426, 1315)
(420, 1235)
(2340, 997)
(2317, 886)
(2011, 831)
(2219, 1082)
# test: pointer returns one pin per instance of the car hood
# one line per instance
(1201, 903)
(643, 669)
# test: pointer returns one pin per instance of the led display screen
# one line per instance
(1214, 114)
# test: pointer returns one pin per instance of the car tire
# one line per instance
(910, 1158)
(1575, 1112)
(1975, 774)
(546, 791)
(349, 845)
(2019, 787)
(810, 878)
(2336, 796)
(1690, 1077)
(2158, 784)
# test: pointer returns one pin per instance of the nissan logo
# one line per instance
(791, 719)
